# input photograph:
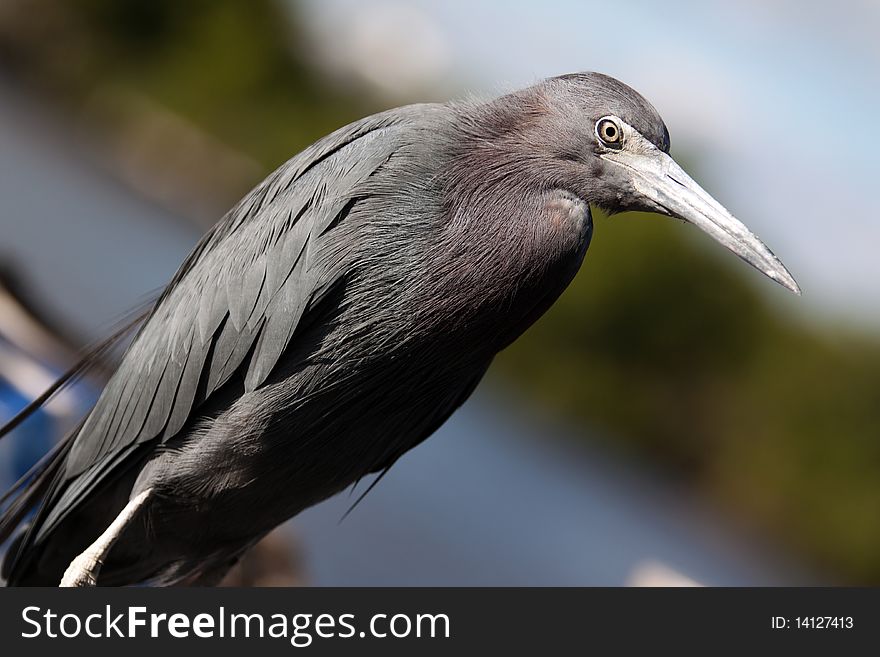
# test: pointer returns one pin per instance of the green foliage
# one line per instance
(227, 66)
(645, 337)
(234, 68)
(664, 344)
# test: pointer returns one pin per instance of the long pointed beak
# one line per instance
(659, 178)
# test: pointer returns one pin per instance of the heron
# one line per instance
(335, 317)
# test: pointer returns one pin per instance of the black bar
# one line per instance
(516, 621)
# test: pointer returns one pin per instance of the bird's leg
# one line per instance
(83, 571)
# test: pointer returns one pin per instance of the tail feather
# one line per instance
(31, 490)
(89, 359)
(37, 485)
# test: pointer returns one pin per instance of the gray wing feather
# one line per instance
(283, 314)
(186, 392)
(242, 291)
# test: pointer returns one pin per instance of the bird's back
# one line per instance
(229, 313)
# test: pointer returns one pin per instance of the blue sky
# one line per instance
(776, 101)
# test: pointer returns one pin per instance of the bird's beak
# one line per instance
(657, 177)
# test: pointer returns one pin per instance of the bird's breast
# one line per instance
(500, 270)
(552, 254)
(568, 219)
(542, 246)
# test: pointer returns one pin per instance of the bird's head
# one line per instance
(604, 142)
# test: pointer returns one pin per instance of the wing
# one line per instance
(235, 302)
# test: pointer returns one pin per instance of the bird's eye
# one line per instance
(609, 133)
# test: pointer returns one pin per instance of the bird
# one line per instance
(337, 316)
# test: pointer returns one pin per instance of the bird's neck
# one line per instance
(508, 247)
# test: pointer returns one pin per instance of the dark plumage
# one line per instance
(332, 321)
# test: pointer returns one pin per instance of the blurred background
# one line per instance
(674, 418)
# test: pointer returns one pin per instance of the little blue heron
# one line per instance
(335, 318)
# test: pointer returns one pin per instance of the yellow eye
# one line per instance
(608, 132)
